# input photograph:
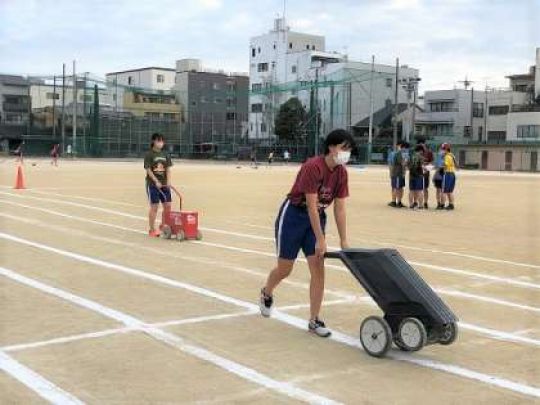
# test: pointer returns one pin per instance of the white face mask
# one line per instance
(342, 157)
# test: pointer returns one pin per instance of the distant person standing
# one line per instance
(270, 158)
(428, 160)
(18, 152)
(416, 178)
(438, 177)
(286, 156)
(253, 157)
(449, 177)
(54, 154)
(397, 176)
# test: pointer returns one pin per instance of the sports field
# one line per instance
(93, 310)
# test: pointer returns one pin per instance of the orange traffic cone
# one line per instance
(19, 180)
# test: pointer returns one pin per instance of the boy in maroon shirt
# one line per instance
(301, 222)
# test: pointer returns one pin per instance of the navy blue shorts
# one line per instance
(293, 231)
(397, 181)
(156, 195)
(448, 182)
(416, 183)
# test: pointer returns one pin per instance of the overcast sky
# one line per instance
(445, 39)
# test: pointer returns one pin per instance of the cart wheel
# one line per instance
(399, 344)
(181, 236)
(449, 334)
(166, 232)
(375, 336)
(412, 334)
(199, 235)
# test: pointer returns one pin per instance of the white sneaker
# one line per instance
(319, 328)
(266, 303)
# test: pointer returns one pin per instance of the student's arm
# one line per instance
(341, 221)
(154, 178)
(312, 201)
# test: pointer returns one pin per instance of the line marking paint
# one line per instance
(257, 237)
(173, 340)
(283, 317)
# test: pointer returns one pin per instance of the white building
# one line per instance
(285, 64)
(148, 78)
(491, 115)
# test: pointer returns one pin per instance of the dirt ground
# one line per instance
(94, 311)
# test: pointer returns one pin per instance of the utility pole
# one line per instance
(394, 140)
(74, 146)
(370, 133)
(472, 112)
(63, 127)
(54, 107)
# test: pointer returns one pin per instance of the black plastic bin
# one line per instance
(414, 315)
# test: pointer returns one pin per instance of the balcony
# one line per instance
(525, 108)
(14, 107)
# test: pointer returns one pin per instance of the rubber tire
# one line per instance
(166, 232)
(453, 334)
(387, 333)
(181, 236)
(423, 334)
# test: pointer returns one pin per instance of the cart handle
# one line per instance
(176, 192)
(333, 255)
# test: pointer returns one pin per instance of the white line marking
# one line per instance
(37, 383)
(289, 319)
(499, 335)
(257, 237)
(174, 341)
(490, 300)
(198, 259)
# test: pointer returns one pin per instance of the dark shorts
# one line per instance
(293, 231)
(437, 179)
(397, 182)
(156, 195)
(416, 183)
(448, 182)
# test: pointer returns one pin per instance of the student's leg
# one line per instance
(152, 214)
(316, 285)
(281, 271)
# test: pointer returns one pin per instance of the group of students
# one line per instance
(301, 219)
(419, 162)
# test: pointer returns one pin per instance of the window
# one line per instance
(389, 82)
(467, 131)
(263, 126)
(231, 101)
(259, 50)
(496, 135)
(313, 47)
(252, 52)
(160, 78)
(528, 131)
(55, 96)
(130, 80)
(231, 116)
(480, 132)
(85, 97)
(256, 87)
(442, 106)
(256, 108)
(290, 45)
(293, 69)
(307, 47)
(215, 86)
(478, 110)
(218, 100)
(498, 110)
(274, 46)
(262, 67)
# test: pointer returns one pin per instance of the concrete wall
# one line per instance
(493, 157)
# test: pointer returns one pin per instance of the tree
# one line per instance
(290, 121)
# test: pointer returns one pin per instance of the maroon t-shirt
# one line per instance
(315, 177)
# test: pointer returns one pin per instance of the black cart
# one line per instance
(414, 315)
